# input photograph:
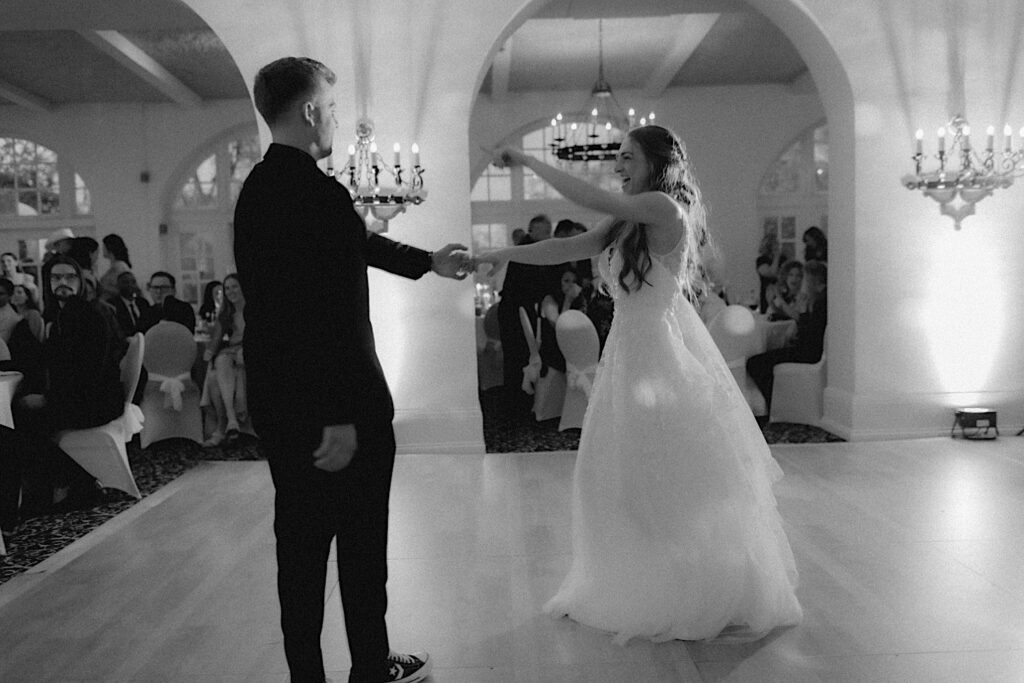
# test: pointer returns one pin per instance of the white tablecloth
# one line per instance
(8, 383)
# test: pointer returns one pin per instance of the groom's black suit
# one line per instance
(302, 253)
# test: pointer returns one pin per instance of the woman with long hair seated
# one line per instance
(24, 302)
(227, 361)
(213, 296)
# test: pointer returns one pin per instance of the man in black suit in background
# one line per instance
(317, 394)
(130, 307)
(165, 305)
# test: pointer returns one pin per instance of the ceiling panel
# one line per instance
(62, 67)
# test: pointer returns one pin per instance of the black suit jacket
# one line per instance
(124, 318)
(302, 252)
(172, 309)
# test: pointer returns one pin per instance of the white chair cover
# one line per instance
(170, 401)
(735, 333)
(798, 392)
(9, 382)
(101, 450)
(578, 341)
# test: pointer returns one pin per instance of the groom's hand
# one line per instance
(452, 261)
(337, 448)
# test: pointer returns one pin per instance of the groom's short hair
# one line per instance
(279, 84)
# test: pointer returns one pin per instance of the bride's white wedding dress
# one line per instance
(676, 534)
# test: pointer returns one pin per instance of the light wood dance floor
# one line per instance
(911, 556)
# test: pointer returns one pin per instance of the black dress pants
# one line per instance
(515, 354)
(313, 507)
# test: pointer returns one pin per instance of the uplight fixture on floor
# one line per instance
(975, 423)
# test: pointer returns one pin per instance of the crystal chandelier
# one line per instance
(383, 198)
(958, 190)
(597, 137)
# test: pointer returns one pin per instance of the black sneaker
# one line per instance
(407, 668)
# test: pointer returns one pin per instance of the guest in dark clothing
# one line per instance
(568, 297)
(165, 306)
(130, 308)
(815, 245)
(583, 268)
(317, 395)
(78, 386)
(809, 342)
(524, 286)
(213, 296)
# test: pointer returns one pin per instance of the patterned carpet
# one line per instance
(40, 537)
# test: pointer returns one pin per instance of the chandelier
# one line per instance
(383, 198)
(597, 137)
(958, 190)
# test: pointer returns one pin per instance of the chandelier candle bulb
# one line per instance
(990, 140)
(351, 158)
(415, 154)
(632, 114)
(919, 135)
(398, 155)
(942, 140)
(1008, 137)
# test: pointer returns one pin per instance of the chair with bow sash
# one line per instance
(578, 341)
(735, 333)
(101, 450)
(548, 391)
(170, 401)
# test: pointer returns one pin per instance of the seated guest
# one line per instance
(130, 307)
(10, 268)
(227, 361)
(9, 316)
(165, 305)
(815, 244)
(24, 302)
(785, 300)
(583, 268)
(79, 388)
(213, 295)
(568, 297)
(809, 341)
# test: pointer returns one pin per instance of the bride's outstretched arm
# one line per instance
(552, 251)
(655, 209)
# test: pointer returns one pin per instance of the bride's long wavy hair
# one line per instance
(671, 173)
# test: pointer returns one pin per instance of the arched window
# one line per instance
(202, 211)
(793, 194)
(34, 201)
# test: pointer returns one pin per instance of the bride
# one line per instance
(676, 534)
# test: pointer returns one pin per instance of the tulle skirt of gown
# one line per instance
(676, 534)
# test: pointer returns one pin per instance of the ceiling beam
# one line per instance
(691, 29)
(25, 99)
(136, 60)
(501, 68)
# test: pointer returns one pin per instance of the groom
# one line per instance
(317, 394)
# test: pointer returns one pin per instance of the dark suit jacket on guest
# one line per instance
(310, 359)
(124, 317)
(172, 309)
(82, 355)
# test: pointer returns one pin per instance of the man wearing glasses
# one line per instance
(165, 305)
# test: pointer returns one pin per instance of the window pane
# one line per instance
(31, 170)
